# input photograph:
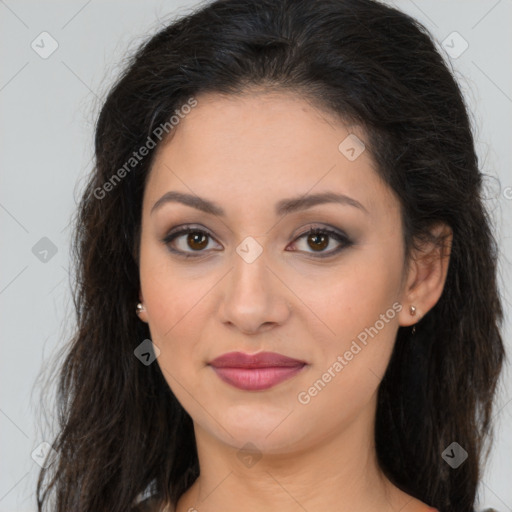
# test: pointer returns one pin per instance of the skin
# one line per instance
(246, 153)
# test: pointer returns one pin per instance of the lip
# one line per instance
(255, 372)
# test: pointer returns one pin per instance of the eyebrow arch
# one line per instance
(283, 207)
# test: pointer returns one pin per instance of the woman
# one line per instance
(286, 278)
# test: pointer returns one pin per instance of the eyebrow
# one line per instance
(283, 207)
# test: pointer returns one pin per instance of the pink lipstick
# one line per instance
(255, 372)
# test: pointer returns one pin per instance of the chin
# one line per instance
(268, 432)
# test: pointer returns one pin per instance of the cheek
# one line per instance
(349, 370)
(175, 310)
(168, 297)
(175, 315)
(176, 327)
(360, 308)
(354, 296)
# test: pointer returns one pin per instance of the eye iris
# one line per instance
(194, 238)
(320, 241)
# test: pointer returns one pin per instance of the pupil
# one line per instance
(194, 238)
(319, 245)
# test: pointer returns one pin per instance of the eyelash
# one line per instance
(339, 237)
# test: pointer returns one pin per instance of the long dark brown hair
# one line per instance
(122, 432)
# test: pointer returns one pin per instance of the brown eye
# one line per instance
(192, 242)
(197, 240)
(318, 241)
(187, 241)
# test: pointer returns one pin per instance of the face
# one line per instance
(249, 276)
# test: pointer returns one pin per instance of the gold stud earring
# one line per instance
(412, 311)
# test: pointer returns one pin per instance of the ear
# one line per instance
(143, 315)
(426, 275)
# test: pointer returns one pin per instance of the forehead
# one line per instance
(264, 144)
(262, 122)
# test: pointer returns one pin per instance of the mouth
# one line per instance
(255, 372)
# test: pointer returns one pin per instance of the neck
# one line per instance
(338, 473)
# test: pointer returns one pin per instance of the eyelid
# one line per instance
(315, 226)
(341, 237)
(183, 230)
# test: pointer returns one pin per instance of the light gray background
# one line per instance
(49, 107)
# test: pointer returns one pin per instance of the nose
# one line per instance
(254, 297)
